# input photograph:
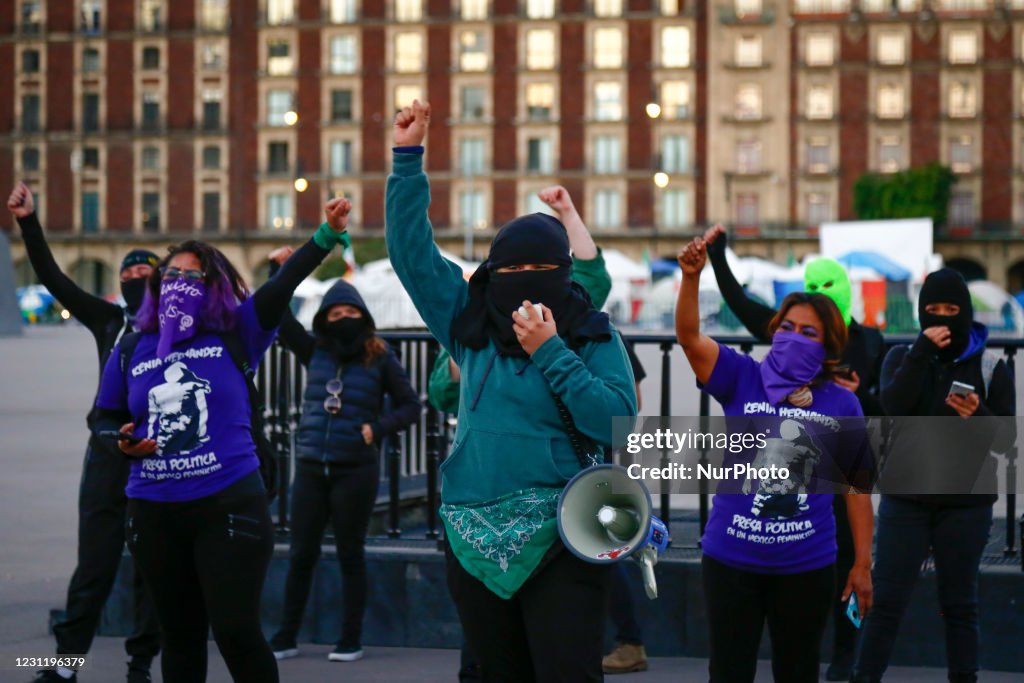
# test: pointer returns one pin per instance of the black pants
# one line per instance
(795, 606)
(551, 630)
(844, 634)
(956, 537)
(101, 514)
(204, 562)
(620, 608)
(343, 494)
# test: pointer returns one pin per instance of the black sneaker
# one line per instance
(284, 648)
(51, 676)
(346, 653)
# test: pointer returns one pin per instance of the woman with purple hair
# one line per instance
(198, 524)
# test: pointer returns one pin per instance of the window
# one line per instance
(963, 47)
(30, 61)
(748, 8)
(891, 48)
(90, 211)
(961, 209)
(343, 11)
(472, 51)
(748, 156)
(608, 48)
(31, 17)
(471, 156)
(890, 102)
(748, 102)
(608, 101)
(890, 154)
(820, 49)
(748, 51)
(30, 113)
(675, 47)
(748, 210)
(280, 11)
(540, 9)
(406, 94)
(30, 159)
(819, 102)
(151, 15)
(90, 60)
(90, 15)
(539, 158)
(819, 155)
(540, 49)
(675, 99)
(211, 158)
(90, 158)
(408, 10)
(279, 58)
(675, 208)
(341, 105)
(211, 56)
(471, 209)
(962, 99)
(607, 208)
(211, 211)
(150, 110)
(961, 154)
(277, 157)
(213, 15)
(540, 101)
(211, 108)
(279, 211)
(607, 154)
(341, 158)
(472, 10)
(408, 52)
(90, 112)
(279, 103)
(150, 212)
(669, 8)
(472, 102)
(150, 58)
(343, 55)
(675, 154)
(608, 8)
(150, 158)
(819, 208)
(534, 204)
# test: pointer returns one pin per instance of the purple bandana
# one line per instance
(180, 304)
(793, 362)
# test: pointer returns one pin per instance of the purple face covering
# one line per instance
(793, 362)
(180, 304)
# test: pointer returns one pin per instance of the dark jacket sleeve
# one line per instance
(754, 316)
(1001, 402)
(903, 375)
(405, 404)
(91, 311)
(869, 394)
(273, 297)
(291, 332)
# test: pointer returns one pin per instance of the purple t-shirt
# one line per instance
(781, 526)
(195, 404)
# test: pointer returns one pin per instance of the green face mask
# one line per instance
(826, 276)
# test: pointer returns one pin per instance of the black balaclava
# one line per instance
(946, 286)
(493, 296)
(133, 290)
(344, 338)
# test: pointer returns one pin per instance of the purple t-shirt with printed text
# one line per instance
(781, 526)
(195, 404)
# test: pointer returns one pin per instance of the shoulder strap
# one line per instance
(233, 345)
(127, 349)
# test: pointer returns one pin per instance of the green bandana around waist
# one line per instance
(500, 542)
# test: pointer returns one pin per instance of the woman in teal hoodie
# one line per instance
(529, 608)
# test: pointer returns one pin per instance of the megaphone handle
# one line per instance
(647, 568)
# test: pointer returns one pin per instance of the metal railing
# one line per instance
(410, 461)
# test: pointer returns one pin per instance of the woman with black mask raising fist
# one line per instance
(337, 447)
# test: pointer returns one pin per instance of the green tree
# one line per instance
(921, 192)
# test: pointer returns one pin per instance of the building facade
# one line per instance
(150, 121)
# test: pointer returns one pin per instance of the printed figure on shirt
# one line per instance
(178, 412)
(795, 451)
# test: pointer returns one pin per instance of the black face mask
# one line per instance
(346, 337)
(345, 329)
(947, 286)
(133, 290)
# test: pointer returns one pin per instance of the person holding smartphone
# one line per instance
(858, 370)
(947, 372)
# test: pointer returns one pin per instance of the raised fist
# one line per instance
(411, 124)
(557, 197)
(20, 202)
(693, 256)
(280, 255)
(337, 211)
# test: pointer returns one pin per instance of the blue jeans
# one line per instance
(907, 530)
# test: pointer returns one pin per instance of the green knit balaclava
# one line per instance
(826, 276)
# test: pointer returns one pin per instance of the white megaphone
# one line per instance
(604, 516)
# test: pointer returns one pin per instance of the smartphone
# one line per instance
(853, 610)
(121, 436)
(842, 370)
(961, 389)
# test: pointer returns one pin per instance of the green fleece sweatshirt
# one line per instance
(511, 456)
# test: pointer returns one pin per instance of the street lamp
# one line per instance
(290, 118)
(653, 110)
(301, 184)
(661, 180)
